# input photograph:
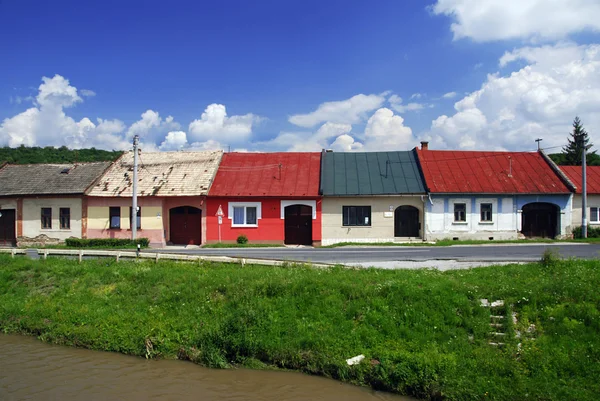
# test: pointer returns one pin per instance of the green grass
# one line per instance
(449, 242)
(423, 332)
(247, 245)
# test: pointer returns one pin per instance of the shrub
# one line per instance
(242, 239)
(106, 242)
(592, 232)
(550, 258)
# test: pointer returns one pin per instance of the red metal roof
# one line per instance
(268, 174)
(593, 177)
(448, 171)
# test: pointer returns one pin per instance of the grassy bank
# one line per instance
(423, 332)
(449, 242)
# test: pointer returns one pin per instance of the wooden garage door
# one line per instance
(7, 227)
(185, 225)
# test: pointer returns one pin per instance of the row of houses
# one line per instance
(297, 198)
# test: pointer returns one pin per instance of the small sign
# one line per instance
(220, 219)
(391, 208)
(220, 212)
(388, 214)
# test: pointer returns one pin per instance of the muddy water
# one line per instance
(32, 370)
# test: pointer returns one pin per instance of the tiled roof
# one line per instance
(593, 178)
(372, 173)
(160, 174)
(49, 179)
(268, 174)
(448, 171)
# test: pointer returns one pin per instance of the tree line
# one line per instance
(49, 154)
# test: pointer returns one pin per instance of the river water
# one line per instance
(32, 370)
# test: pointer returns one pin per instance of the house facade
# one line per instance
(372, 197)
(171, 191)
(574, 173)
(45, 203)
(268, 197)
(494, 195)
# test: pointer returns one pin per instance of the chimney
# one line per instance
(424, 145)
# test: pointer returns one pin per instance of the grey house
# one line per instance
(371, 197)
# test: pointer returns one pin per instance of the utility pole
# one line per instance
(583, 189)
(134, 207)
(538, 142)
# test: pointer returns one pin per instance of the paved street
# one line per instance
(465, 253)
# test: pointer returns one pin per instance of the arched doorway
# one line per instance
(185, 225)
(7, 227)
(406, 221)
(540, 219)
(298, 225)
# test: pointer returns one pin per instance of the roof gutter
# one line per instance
(563, 177)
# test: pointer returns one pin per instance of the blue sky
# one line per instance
(260, 63)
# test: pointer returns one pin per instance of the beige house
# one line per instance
(171, 191)
(574, 173)
(45, 203)
(371, 197)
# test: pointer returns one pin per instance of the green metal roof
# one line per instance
(371, 173)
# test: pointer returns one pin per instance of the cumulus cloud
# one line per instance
(215, 123)
(349, 111)
(449, 95)
(492, 20)
(87, 93)
(396, 104)
(539, 100)
(175, 140)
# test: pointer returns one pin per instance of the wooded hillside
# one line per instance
(49, 154)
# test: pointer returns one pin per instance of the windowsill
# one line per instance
(115, 228)
(460, 223)
(488, 223)
(594, 223)
(244, 226)
(356, 226)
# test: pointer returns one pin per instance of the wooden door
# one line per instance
(406, 222)
(298, 225)
(7, 228)
(185, 225)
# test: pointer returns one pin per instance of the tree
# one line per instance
(579, 138)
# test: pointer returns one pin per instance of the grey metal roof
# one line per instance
(49, 179)
(371, 173)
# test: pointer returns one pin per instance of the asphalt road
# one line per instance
(465, 253)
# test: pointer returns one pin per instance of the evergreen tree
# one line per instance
(579, 138)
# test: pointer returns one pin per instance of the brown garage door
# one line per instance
(7, 227)
(298, 225)
(185, 225)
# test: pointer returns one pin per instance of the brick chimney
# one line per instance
(424, 145)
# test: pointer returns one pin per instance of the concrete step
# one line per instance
(499, 317)
(496, 325)
(496, 334)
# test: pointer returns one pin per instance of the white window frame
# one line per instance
(467, 202)
(311, 203)
(597, 214)
(245, 205)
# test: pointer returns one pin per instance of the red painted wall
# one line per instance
(270, 227)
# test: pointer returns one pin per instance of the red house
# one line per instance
(268, 197)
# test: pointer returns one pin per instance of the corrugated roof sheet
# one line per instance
(371, 173)
(160, 174)
(448, 171)
(593, 178)
(259, 174)
(49, 179)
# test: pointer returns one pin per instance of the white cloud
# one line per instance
(539, 100)
(57, 92)
(396, 104)
(87, 93)
(449, 95)
(349, 111)
(175, 140)
(215, 124)
(386, 131)
(151, 128)
(489, 20)
(416, 96)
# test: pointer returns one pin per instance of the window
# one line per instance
(356, 215)
(139, 218)
(594, 215)
(244, 215)
(115, 217)
(460, 212)
(65, 218)
(486, 212)
(46, 217)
